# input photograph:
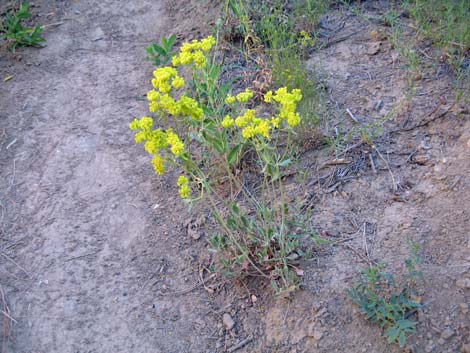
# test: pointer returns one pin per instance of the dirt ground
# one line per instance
(94, 255)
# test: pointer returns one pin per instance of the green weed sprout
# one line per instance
(161, 54)
(383, 302)
(15, 34)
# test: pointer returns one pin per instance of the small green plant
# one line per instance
(211, 135)
(161, 54)
(15, 34)
(381, 300)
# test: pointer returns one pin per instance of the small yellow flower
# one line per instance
(175, 60)
(152, 95)
(207, 43)
(263, 129)
(190, 107)
(293, 119)
(177, 146)
(134, 125)
(184, 190)
(244, 97)
(276, 122)
(151, 147)
(182, 180)
(268, 97)
(153, 106)
(248, 132)
(146, 123)
(140, 136)
(227, 122)
(230, 99)
(177, 82)
(158, 164)
(199, 59)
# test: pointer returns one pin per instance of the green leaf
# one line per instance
(392, 333)
(235, 208)
(214, 142)
(404, 324)
(284, 163)
(233, 154)
(171, 40)
(402, 339)
(160, 50)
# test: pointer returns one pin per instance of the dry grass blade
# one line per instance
(6, 319)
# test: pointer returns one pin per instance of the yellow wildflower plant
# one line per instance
(224, 130)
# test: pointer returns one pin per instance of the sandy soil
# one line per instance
(94, 256)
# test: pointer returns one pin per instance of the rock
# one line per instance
(378, 105)
(463, 283)
(463, 308)
(429, 347)
(228, 321)
(447, 321)
(317, 334)
(254, 299)
(447, 333)
(374, 48)
(421, 159)
(465, 348)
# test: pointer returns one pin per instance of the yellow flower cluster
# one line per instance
(305, 39)
(163, 75)
(183, 184)
(186, 106)
(194, 53)
(177, 146)
(230, 99)
(158, 164)
(288, 102)
(245, 96)
(251, 125)
(155, 140)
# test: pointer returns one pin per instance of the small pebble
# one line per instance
(464, 308)
(447, 333)
(463, 283)
(429, 347)
(317, 334)
(228, 321)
